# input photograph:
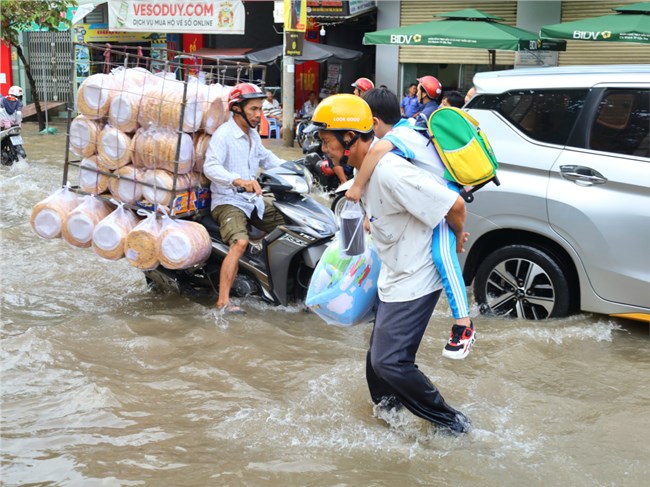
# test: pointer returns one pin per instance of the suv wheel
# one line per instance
(519, 281)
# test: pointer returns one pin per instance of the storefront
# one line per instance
(456, 67)
(343, 24)
(582, 52)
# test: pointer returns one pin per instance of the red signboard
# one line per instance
(6, 80)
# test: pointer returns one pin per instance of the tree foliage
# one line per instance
(17, 16)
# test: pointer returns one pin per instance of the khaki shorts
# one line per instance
(232, 221)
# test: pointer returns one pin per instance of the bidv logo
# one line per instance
(591, 36)
(405, 39)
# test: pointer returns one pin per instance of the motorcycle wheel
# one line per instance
(8, 155)
(338, 204)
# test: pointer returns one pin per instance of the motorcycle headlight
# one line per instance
(309, 179)
(311, 224)
(299, 183)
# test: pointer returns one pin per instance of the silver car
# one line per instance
(568, 229)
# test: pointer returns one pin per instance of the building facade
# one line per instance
(397, 66)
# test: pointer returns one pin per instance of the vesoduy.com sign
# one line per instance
(213, 16)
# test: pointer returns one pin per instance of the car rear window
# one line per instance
(543, 115)
(622, 123)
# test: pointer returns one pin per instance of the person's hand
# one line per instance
(353, 194)
(460, 242)
(250, 186)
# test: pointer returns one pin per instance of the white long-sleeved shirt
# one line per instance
(231, 155)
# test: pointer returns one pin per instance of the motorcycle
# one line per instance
(301, 125)
(277, 266)
(338, 197)
(11, 145)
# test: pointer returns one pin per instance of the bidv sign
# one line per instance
(405, 39)
(591, 36)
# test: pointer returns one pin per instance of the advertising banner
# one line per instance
(293, 42)
(295, 15)
(183, 16)
(338, 8)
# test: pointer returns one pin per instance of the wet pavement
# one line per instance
(106, 383)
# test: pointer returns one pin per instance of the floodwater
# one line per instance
(105, 383)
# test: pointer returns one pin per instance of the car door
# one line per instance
(599, 195)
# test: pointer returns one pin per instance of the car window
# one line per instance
(622, 123)
(544, 115)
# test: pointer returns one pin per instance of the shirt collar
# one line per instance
(236, 129)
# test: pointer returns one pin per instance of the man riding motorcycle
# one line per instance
(233, 157)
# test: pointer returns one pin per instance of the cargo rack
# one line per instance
(103, 58)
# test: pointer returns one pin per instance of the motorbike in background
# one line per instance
(11, 145)
(301, 124)
(11, 142)
(277, 266)
(321, 167)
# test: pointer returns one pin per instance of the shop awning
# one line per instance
(238, 53)
(311, 51)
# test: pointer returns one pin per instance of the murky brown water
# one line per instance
(105, 383)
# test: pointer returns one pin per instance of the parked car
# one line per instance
(568, 229)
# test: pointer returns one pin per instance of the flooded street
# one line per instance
(106, 383)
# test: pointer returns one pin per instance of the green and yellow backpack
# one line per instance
(464, 150)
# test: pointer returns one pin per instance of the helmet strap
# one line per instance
(242, 113)
(346, 146)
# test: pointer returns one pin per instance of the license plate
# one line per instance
(16, 140)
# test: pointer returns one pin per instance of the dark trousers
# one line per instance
(390, 365)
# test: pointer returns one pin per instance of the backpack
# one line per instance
(463, 149)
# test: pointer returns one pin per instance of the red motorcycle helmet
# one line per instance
(242, 92)
(363, 84)
(326, 167)
(431, 86)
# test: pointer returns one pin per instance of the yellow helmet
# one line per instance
(342, 112)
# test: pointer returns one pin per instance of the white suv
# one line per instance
(568, 229)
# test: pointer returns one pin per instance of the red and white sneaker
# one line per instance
(460, 342)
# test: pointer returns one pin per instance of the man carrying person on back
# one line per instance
(403, 204)
(397, 136)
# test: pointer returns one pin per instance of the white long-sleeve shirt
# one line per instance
(231, 156)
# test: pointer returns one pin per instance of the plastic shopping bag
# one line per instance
(343, 289)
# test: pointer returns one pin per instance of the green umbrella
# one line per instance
(464, 28)
(630, 24)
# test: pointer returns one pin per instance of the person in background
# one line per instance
(410, 106)
(362, 85)
(399, 137)
(470, 94)
(11, 107)
(271, 107)
(306, 112)
(452, 99)
(234, 155)
(310, 105)
(429, 91)
(403, 204)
